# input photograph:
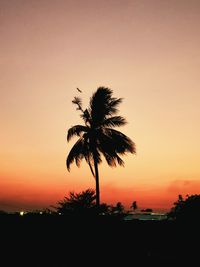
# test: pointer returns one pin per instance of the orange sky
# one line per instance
(147, 51)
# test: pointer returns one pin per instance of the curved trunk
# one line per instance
(97, 183)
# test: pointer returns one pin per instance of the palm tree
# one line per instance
(134, 206)
(97, 136)
(77, 203)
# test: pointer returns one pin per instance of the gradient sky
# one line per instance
(147, 51)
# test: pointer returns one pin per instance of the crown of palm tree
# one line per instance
(97, 136)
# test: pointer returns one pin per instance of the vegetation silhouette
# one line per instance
(186, 210)
(134, 206)
(109, 239)
(97, 136)
(119, 208)
(79, 204)
(83, 205)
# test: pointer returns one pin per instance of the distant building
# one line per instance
(145, 216)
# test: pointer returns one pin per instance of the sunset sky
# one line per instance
(146, 51)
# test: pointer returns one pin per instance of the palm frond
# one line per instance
(96, 153)
(115, 121)
(91, 168)
(113, 104)
(102, 105)
(112, 158)
(89, 160)
(107, 146)
(99, 103)
(121, 142)
(86, 117)
(120, 161)
(76, 153)
(77, 101)
(76, 130)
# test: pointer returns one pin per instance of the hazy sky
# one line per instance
(147, 51)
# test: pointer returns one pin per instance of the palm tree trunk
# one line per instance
(97, 184)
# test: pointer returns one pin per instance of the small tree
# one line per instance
(134, 206)
(118, 209)
(104, 209)
(187, 209)
(78, 203)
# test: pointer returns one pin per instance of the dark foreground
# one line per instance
(58, 241)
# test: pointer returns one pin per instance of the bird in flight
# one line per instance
(79, 90)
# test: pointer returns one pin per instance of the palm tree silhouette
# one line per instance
(77, 203)
(134, 205)
(97, 137)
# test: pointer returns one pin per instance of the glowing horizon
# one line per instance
(147, 52)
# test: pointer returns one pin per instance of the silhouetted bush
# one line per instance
(82, 203)
(186, 209)
(134, 205)
(2, 212)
